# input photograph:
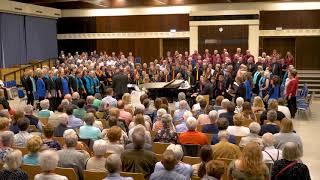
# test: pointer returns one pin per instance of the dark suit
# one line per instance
(29, 89)
(207, 90)
(72, 82)
(119, 84)
(194, 73)
(251, 67)
(276, 69)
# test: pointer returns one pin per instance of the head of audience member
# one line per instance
(4, 123)
(68, 97)
(4, 113)
(165, 101)
(139, 119)
(199, 98)
(169, 160)
(239, 102)
(157, 103)
(89, 119)
(13, 160)
(225, 103)
(114, 134)
(28, 109)
(272, 116)
(183, 105)
(181, 96)
(65, 102)
(109, 92)
(238, 119)
(191, 124)
(219, 100)
(90, 100)
(254, 128)
(70, 138)
(230, 107)
(75, 96)
(251, 160)
(69, 110)
(34, 144)
(206, 155)
(203, 104)
(7, 138)
(222, 124)
(166, 121)
(177, 150)
(63, 119)
(258, 102)
(268, 140)
(186, 115)
(146, 103)
(160, 113)
(213, 116)
(23, 124)
(143, 97)
(113, 164)
(99, 148)
(138, 138)
(273, 104)
(223, 135)
(281, 102)
(114, 112)
(48, 131)
(291, 151)
(286, 126)
(44, 104)
(246, 108)
(120, 105)
(48, 161)
(81, 103)
(17, 115)
(98, 96)
(139, 109)
(126, 98)
(215, 169)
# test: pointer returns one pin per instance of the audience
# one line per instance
(238, 129)
(211, 128)
(34, 145)
(247, 114)
(253, 136)
(114, 166)
(214, 170)
(224, 149)
(48, 140)
(229, 114)
(88, 131)
(270, 125)
(182, 126)
(33, 120)
(272, 105)
(98, 161)
(45, 112)
(114, 137)
(73, 121)
(222, 126)
(284, 109)
(21, 138)
(270, 153)
(62, 126)
(239, 102)
(258, 105)
(192, 136)
(166, 135)
(7, 142)
(11, 167)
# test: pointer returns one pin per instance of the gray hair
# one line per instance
(161, 112)
(138, 138)
(75, 95)
(90, 99)
(223, 134)
(291, 151)
(89, 119)
(272, 115)
(140, 107)
(166, 119)
(183, 104)
(13, 160)
(65, 102)
(213, 115)
(254, 127)
(28, 109)
(113, 163)
(70, 137)
(267, 140)
(99, 147)
(191, 123)
(181, 96)
(48, 160)
(177, 150)
(239, 101)
(224, 103)
(186, 115)
(63, 118)
(44, 104)
(7, 138)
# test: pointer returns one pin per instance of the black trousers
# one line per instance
(30, 98)
(292, 105)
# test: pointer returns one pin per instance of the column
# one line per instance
(253, 40)
(193, 40)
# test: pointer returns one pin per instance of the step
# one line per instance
(309, 80)
(308, 71)
(311, 85)
(313, 75)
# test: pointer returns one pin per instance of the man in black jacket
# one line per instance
(119, 83)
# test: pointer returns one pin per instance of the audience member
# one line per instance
(211, 128)
(229, 114)
(206, 155)
(114, 167)
(33, 145)
(270, 153)
(253, 136)
(7, 142)
(20, 139)
(270, 126)
(238, 129)
(45, 112)
(166, 135)
(98, 161)
(73, 121)
(214, 170)
(59, 130)
(88, 131)
(11, 167)
(272, 105)
(223, 124)
(48, 140)
(224, 149)
(181, 126)
(192, 136)
(114, 136)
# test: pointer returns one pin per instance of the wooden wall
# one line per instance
(231, 37)
(180, 45)
(80, 45)
(281, 44)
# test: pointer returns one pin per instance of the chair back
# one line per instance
(195, 178)
(23, 150)
(68, 172)
(226, 166)
(191, 149)
(135, 176)
(191, 160)
(153, 134)
(44, 121)
(209, 136)
(238, 139)
(159, 148)
(31, 170)
(158, 157)
(88, 142)
(199, 127)
(60, 140)
(92, 175)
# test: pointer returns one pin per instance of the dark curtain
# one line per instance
(41, 38)
(12, 40)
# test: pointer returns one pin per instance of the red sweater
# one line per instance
(292, 87)
(193, 137)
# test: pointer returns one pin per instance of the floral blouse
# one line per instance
(166, 136)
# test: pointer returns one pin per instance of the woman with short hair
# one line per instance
(48, 161)
(33, 146)
(45, 112)
(206, 155)
(97, 162)
(114, 134)
(11, 168)
(214, 169)
(166, 135)
(48, 140)
(7, 142)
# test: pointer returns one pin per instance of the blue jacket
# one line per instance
(248, 90)
(274, 92)
(41, 88)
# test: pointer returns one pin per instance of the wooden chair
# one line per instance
(158, 156)
(44, 121)
(60, 140)
(106, 155)
(135, 176)
(153, 135)
(22, 149)
(238, 139)
(226, 165)
(88, 142)
(191, 149)
(199, 127)
(31, 170)
(195, 178)
(92, 175)
(209, 137)
(68, 172)
(159, 148)
(207, 98)
(191, 160)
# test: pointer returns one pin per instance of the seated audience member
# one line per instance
(14, 121)
(75, 98)
(214, 170)
(211, 128)
(258, 105)
(33, 120)
(48, 141)
(97, 101)
(70, 156)
(109, 100)
(178, 114)
(114, 135)
(239, 102)
(114, 167)
(247, 114)
(147, 110)
(196, 106)
(89, 104)
(181, 96)
(139, 111)
(146, 146)
(63, 125)
(206, 155)
(140, 123)
(290, 167)
(96, 123)
(80, 112)
(157, 106)
(138, 160)
(237, 129)
(286, 134)
(249, 165)
(166, 135)
(33, 145)
(222, 126)
(224, 149)
(224, 105)
(157, 125)
(270, 153)
(217, 105)
(253, 136)
(124, 115)
(192, 136)
(124, 137)
(98, 161)
(11, 167)
(270, 126)
(88, 131)
(284, 109)
(48, 161)
(181, 167)
(203, 119)
(6, 142)
(45, 112)
(272, 105)
(113, 119)
(73, 122)
(181, 126)
(202, 110)
(54, 119)
(126, 98)
(229, 114)
(20, 139)
(169, 162)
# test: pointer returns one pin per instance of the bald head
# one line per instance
(267, 139)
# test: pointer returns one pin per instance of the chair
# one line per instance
(60, 140)
(191, 149)
(22, 149)
(88, 142)
(91, 175)
(199, 127)
(44, 121)
(31, 170)
(195, 178)
(153, 135)
(135, 176)
(209, 137)
(68, 172)
(159, 148)
(106, 155)
(238, 139)
(191, 160)
(158, 157)
(226, 166)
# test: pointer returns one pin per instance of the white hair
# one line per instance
(239, 101)
(70, 137)
(140, 107)
(63, 118)
(44, 104)
(48, 160)
(100, 147)
(191, 123)
(181, 96)
(75, 95)
(224, 103)
(13, 160)
(268, 140)
(7, 138)
(254, 127)
(65, 102)
(28, 109)
(177, 150)
(186, 115)
(213, 115)
(223, 134)
(90, 99)
(183, 104)
(291, 151)
(161, 112)
(113, 163)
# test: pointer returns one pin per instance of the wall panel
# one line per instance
(180, 45)
(76, 25)
(80, 45)
(307, 55)
(281, 44)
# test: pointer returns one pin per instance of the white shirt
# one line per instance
(238, 130)
(49, 177)
(269, 152)
(285, 111)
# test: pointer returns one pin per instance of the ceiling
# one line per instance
(93, 4)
